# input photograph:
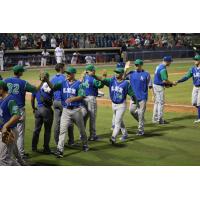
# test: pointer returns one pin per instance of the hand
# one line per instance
(4, 129)
(69, 100)
(175, 83)
(127, 66)
(104, 73)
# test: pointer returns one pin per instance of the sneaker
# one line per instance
(93, 138)
(140, 133)
(123, 138)
(112, 140)
(59, 154)
(47, 151)
(197, 121)
(162, 121)
(85, 148)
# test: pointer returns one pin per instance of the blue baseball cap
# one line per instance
(167, 58)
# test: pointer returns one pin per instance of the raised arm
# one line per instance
(185, 77)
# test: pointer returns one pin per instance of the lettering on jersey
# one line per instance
(196, 75)
(117, 89)
(13, 88)
(69, 90)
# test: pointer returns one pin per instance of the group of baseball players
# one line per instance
(74, 102)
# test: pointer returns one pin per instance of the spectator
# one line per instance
(124, 51)
(146, 43)
(87, 43)
(45, 55)
(74, 59)
(137, 41)
(23, 41)
(53, 42)
(1, 58)
(75, 43)
(16, 42)
(44, 39)
(81, 42)
(89, 59)
(92, 41)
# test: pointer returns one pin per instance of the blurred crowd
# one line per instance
(91, 40)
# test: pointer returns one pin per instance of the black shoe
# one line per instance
(59, 154)
(34, 150)
(85, 148)
(112, 140)
(162, 121)
(93, 138)
(47, 151)
(25, 156)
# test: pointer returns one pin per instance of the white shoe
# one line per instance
(197, 121)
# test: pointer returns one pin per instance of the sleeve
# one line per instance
(30, 88)
(130, 90)
(13, 108)
(34, 94)
(98, 84)
(186, 76)
(57, 86)
(164, 75)
(106, 81)
(81, 91)
(127, 77)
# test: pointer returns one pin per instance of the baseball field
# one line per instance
(176, 143)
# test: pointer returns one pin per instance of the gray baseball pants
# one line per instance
(91, 107)
(118, 114)
(70, 116)
(138, 113)
(158, 109)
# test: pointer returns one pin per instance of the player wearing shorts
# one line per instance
(194, 73)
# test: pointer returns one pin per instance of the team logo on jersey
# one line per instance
(141, 78)
(69, 90)
(86, 84)
(116, 89)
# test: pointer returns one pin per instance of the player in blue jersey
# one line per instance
(91, 86)
(9, 116)
(72, 94)
(140, 81)
(119, 89)
(43, 115)
(194, 73)
(18, 88)
(161, 81)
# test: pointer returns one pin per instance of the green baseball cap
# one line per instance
(70, 70)
(18, 68)
(138, 62)
(119, 70)
(46, 74)
(90, 68)
(3, 84)
(197, 57)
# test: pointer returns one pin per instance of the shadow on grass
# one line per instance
(182, 118)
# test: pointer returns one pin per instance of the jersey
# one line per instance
(45, 54)
(140, 81)
(160, 75)
(1, 54)
(89, 59)
(58, 78)
(118, 90)
(8, 108)
(91, 85)
(69, 90)
(18, 88)
(59, 52)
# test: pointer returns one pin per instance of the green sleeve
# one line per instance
(13, 108)
(57, 86)
(106, 81)
(30, 88)
(130, 91)
(81, 91)
(98, 84)
(189, 74)
(164, 75)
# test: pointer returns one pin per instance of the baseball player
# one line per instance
(45, 55)
(9, 116)
(57, 105)
(72, 94)
(160, 82)
(194, 72)
(60, 54)
(89, 60)
(43, 115)
(91, 86)
(1, 59)
(140, 81)
(119, 89)
(121, 64)
(18, 88)
(74, 59)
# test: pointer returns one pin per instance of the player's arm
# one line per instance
(33, 102)
(150, 86)
(81, 95)
(14, 111)
(164, 77)
(185, 77)
(132, 94)
(55, 87)
(98, 84)
(32, 88)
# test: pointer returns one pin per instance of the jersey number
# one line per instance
(13, 88)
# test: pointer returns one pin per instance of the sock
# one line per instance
(198, 112)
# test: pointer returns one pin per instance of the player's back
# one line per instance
(16, 87)
(157, 75)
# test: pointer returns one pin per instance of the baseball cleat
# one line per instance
(47, 151)
(85, 148)
(162, 121)
(59, 154)
(112, 140)
(124, 138)
(93, 138)
(140, 133)
(197, 121)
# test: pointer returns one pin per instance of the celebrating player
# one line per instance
(160, 82)
(194, 72)
(140, 81)
(18, 88)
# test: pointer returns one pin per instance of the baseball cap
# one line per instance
(70, 70)
(3, 85)
(197, 57)
(138, 62)
(119, 70)
(90, 68)
(167, 58)
(18, 68)
(120, 65)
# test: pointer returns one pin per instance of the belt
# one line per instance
(197, 86)
(72, 107)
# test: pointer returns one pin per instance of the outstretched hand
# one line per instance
(127, 66)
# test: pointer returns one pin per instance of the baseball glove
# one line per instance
(168, 85)
(8, 137)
